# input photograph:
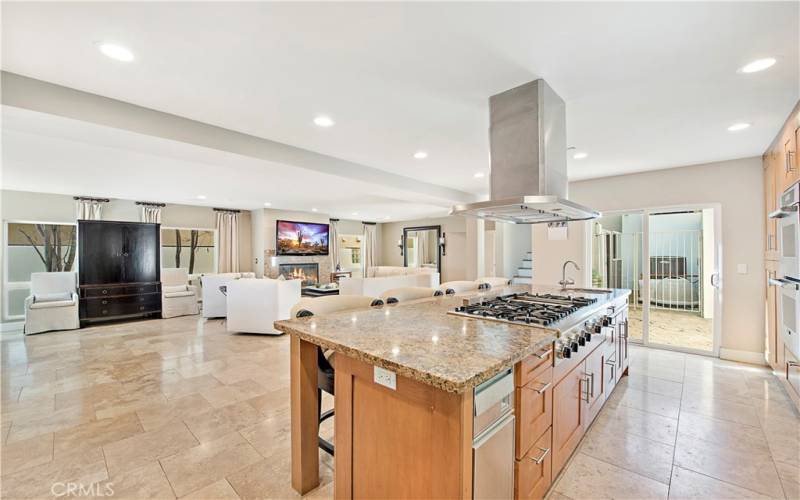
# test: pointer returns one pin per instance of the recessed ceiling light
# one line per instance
(479, 175)
(757, 65)
(387, 217)
(267, 204)
(313, 209)
(738, 126)
(114, 51)
(355, 213)
(580, 155)
(420, 155)
(201, 197)
(323, 121)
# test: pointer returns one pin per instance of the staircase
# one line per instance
(524, 271)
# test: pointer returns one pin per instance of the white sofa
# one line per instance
(178, 297)
(387, 271)
(255, 304)
(52, 304)
(214, 301)
(374, 287)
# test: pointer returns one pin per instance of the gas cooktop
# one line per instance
(525, 308)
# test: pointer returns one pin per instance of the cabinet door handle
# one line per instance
(586, 381)
(792, 364)
(544, 354)
(539, 460)
(541, 389)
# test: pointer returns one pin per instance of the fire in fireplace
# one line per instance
(309, 272)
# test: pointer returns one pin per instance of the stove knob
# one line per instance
(587, 335)
(580, 340)
(563, 351)
(598, 329)
(574, 346)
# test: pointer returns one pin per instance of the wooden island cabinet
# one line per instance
(410, 402)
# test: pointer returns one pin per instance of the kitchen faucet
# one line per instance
(564, 281)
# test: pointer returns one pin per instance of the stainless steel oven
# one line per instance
(493, 438)
(788, 217)
(789, 312)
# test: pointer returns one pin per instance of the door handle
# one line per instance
(544, 354)
(586, 381)
(541, 389)
(715, 280)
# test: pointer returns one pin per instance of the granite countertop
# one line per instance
(419, 340)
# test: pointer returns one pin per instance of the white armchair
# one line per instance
(214, 301)
(255, 304)
(178, 297)
(52, 304)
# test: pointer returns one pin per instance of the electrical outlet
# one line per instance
(741, 268)
(385, 378)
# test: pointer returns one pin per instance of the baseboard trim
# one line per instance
(13, 326)
(753, 358)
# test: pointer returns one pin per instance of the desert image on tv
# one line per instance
(297, 238)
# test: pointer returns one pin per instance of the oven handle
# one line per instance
(783, 212)
(781, 282)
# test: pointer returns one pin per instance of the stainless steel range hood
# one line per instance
(529, 160)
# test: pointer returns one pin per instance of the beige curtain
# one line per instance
(151, 214)
(228, 234)
(88, 209)
(333, 242)
(369, 247)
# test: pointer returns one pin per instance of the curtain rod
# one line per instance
(231, 210)
(88, 198)
(151, 204)
(369, 223)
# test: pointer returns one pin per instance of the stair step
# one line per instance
(522, 280)
(527, 264)
(523, 271)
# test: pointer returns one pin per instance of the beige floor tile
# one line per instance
(146, 482)
(154, 416)
(220, 490)
(24, 428)
(654, 385)
(141, 449)
(721, 409)
(272, 479)
(202, 465)
(219, 422)
(26, 453)
(36, 482)
(587, 477)
(233, 393)
(649, 402)
(237, 372)
(751, 469)
(88, 396)
(192, 385)
(95, 434)
(639, 423)
(270, 436)
(635, 453)
(790, 479)
(276, 400)
(722, 432)
(689, 484)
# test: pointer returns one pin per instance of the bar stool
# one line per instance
(320, 306)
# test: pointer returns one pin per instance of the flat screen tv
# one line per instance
(301, 238)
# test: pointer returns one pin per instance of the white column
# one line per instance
(475, 251)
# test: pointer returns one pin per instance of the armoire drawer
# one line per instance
(120, 306)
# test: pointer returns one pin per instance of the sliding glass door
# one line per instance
(669, 259)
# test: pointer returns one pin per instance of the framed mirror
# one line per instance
(421, 247)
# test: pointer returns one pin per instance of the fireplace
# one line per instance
(309, 272)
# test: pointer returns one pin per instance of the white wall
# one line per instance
(512, 243)
(454, 228)
(737, 185)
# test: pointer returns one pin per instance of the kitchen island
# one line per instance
(405, 385)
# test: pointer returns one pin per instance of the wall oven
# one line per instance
(788, 217)
(788, 279)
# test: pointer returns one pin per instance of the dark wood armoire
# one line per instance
(119, 270)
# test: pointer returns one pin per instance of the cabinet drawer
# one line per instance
(534, 472)
(119, 306)
(144, 288)
(533, 365)
(105, 291)
(792, 371)
(534, 403)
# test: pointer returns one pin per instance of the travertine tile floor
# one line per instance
(180, 408)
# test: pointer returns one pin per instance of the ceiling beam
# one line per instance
(37, 95)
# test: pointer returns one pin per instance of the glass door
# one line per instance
(617, 250)
(682, 275)
(669, 260)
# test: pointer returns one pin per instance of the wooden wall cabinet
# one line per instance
(772, 338)
(771, 181)
(569, 416)
(594, 388)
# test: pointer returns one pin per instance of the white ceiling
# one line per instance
(647, 85)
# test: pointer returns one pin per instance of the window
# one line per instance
(34, 247)
(192, 249)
